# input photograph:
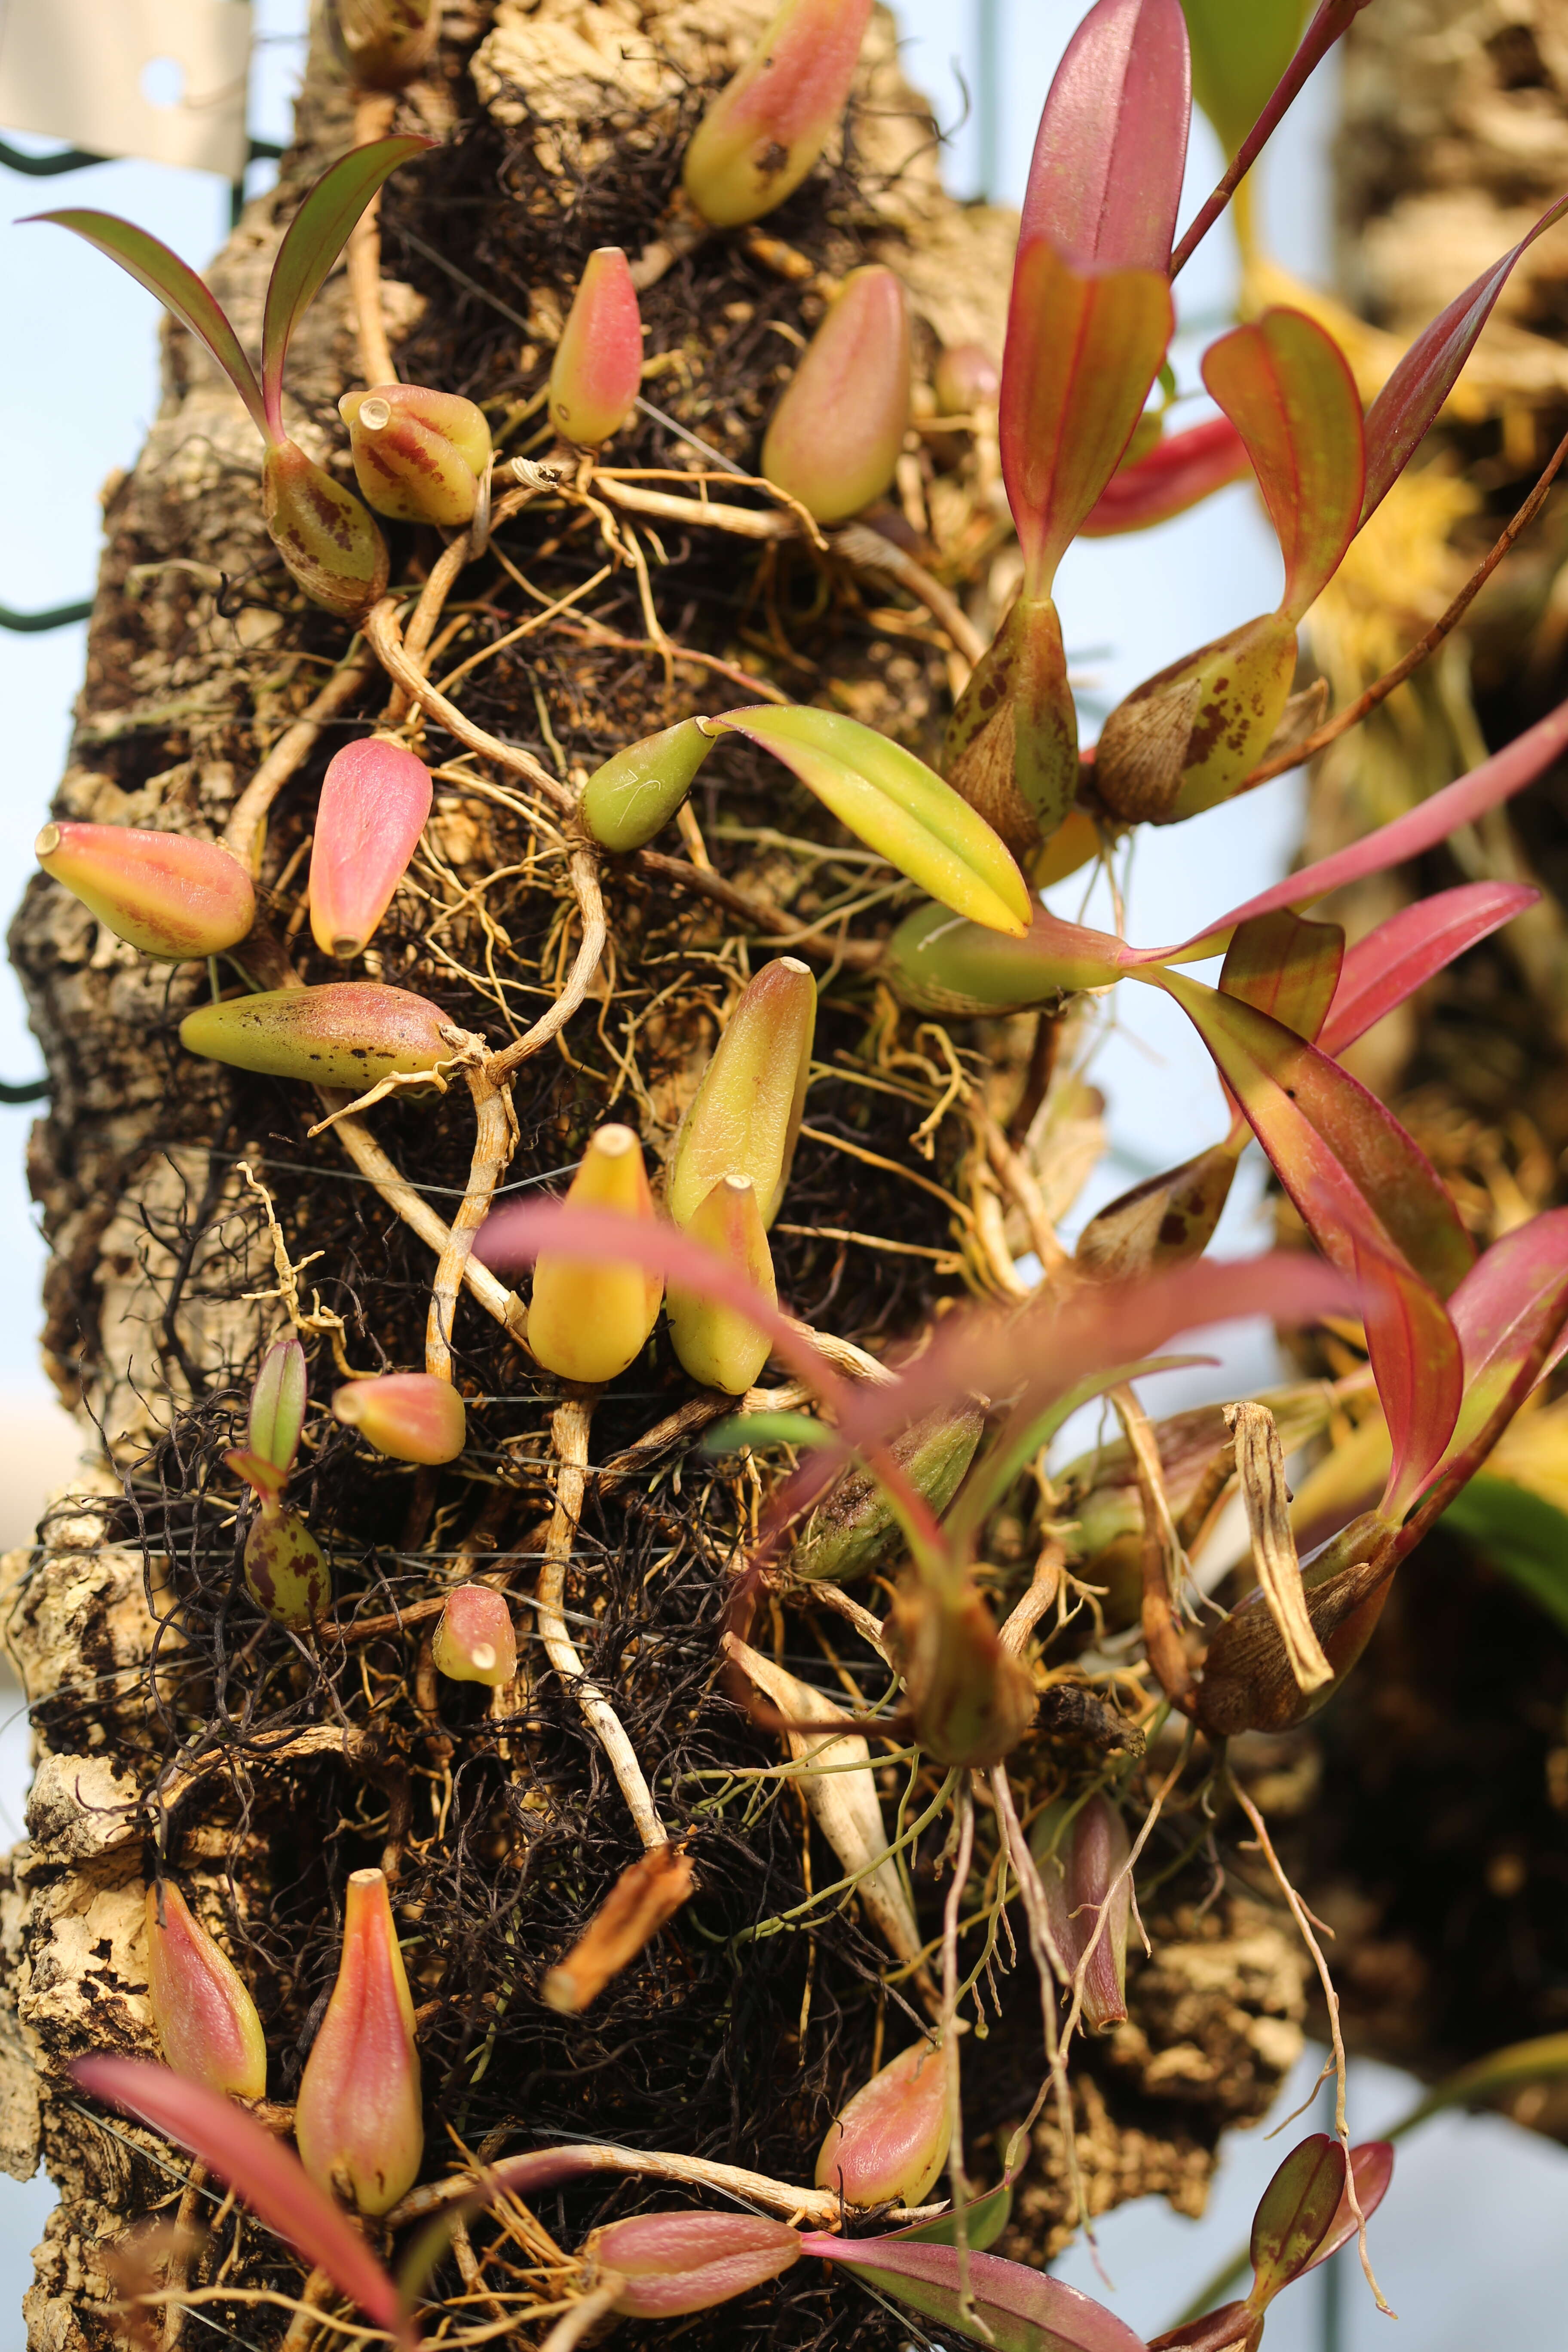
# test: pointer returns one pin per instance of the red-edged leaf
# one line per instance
(1511, 1315)
(1284, 385)
(1410, 399)
(516, 1236)
(264, 2175)
(1083, 348)
(1372, 2169)
(1286, 966)
(1036, 1354)
(1420, 829)
(1333, 19)
(1182, 469)
(1295, 2214)
(1418, 1366)
(1217, 2331)
(949, 964)
(1393, 960)
(1024, 2310)
(1106, 175)
(313, 242)
(1330, 1141)
(178, 288)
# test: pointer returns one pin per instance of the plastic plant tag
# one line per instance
(419, 456)
(744, 1118)
(346, 1034)
(172, 896)
(589, 1321)
(897, 807)
(889, 2141)
(671, 2264)
(638, 790)
(767, 126)
(835, 437)
(357, 2120)
(718, 1347)
(598, 361)
(408, 1416)
(475, 1640)
(201, 2005)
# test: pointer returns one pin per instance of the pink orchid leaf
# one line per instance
(1418, 1366)
(1333, 19)
(1397, 958)
(1038, 1353)
(1105, 178)
(1371, 2170)
(311, 244)
(1409, 402)
(1295, 2214)
(1511, 1315)
(516, 1236)
(1084, 346)
(1022, 2310)
(1176, 474)
(1422, 828)
(264, 2174)
(176, 286)
(1286, 966)
(1283, 383)
(1347, 1163)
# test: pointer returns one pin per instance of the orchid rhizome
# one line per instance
(866, 1677)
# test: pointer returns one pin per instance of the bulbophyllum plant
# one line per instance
(891, 1474)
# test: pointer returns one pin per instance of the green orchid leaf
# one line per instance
(1240, 50)
(1523, 1535)
(740, 1430)
(899, 808)
(1295, 2214)
(311, 244)
(1286, 966)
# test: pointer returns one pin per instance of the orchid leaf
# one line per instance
(177, 287)
(1022, 2310)
(1283, 383)
(278, 1404)
(899, 808)
(1286, 966)
(1295, 2214)
(1036, 1354)
(1240, 50)
(1393, 960)
(1163, 1221)
(313, 242)
(1083, 348)
(1511, 1312)
(1409, 402)
(1419, 1371)
(1394, 844)
(1372, 2169)
(1522, 1536)
(264, 2175)
(984, 2221)
(1331, 1143)
(944, 966)
(1106, 176)
(742, 1430)
(1024, 1433)
(1175, 474)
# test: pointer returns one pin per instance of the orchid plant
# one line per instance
(897, 1466)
